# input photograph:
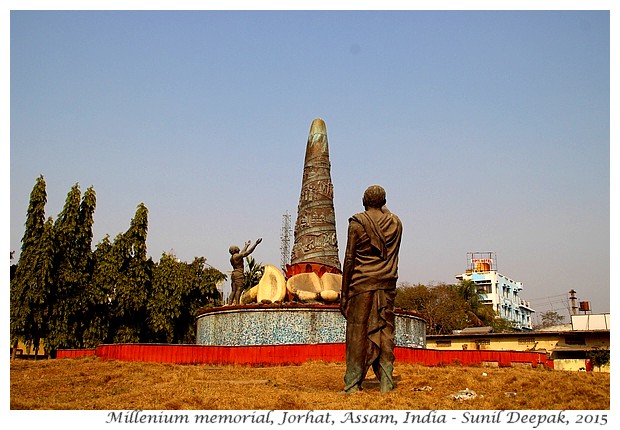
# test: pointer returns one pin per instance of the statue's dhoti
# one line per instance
(370, 338)
(236, 283)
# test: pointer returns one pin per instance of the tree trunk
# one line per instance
(14, 351)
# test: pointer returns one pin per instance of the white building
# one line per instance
(498, 291)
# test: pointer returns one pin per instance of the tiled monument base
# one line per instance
(290, 324)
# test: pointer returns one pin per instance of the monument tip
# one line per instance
(318, 126)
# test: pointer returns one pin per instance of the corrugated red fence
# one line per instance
(204, 354)
(74, 353)
(434, 357)
(294, 354)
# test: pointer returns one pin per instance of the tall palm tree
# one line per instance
(468, 290)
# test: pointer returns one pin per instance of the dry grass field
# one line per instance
(95, 384)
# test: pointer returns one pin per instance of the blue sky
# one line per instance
(490, 131)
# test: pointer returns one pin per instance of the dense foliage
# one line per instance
(252, 273)
(599, 357)
(448, 307)
(66, 295)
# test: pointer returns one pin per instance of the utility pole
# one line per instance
(285, 244)
(573, 302)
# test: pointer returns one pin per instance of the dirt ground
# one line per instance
(95, 384)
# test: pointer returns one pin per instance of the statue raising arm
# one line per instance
(247, 251)
(236, 260)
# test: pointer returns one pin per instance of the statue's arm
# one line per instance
(247, 251)
(245, 248)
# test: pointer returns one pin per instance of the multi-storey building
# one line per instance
(498, 291)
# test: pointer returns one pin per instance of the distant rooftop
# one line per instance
(590, 322)
(474, 330)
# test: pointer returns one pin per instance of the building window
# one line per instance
(484, 287)
(526, 341)
(575, 340)
(443, 343)
(483, 341)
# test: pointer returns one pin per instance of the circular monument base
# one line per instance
(292, 324)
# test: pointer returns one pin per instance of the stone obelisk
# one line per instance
(315, 248)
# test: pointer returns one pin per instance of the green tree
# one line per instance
(131, 289)
(441, 306)
(411, 297)
(203, 293)
(13, 267)
(164, 304)
(33, 275)
(479, 314)
(550, 319)
(84, 263)
(448, 307)
(66, 294)
(61, 303)
(468, 291)
(99, 294)
(179, 289)
(599, 357)
(499, 325)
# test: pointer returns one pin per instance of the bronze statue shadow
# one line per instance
(372, 383)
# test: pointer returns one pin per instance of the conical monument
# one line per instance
(315, 248)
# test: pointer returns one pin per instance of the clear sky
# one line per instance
(490, 131)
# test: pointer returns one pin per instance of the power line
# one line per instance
(558, 303)
(547, 297)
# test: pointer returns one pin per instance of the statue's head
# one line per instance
(374, 197)
(233, 249)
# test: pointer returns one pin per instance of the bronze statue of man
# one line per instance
(236, 277)
(369, 280)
